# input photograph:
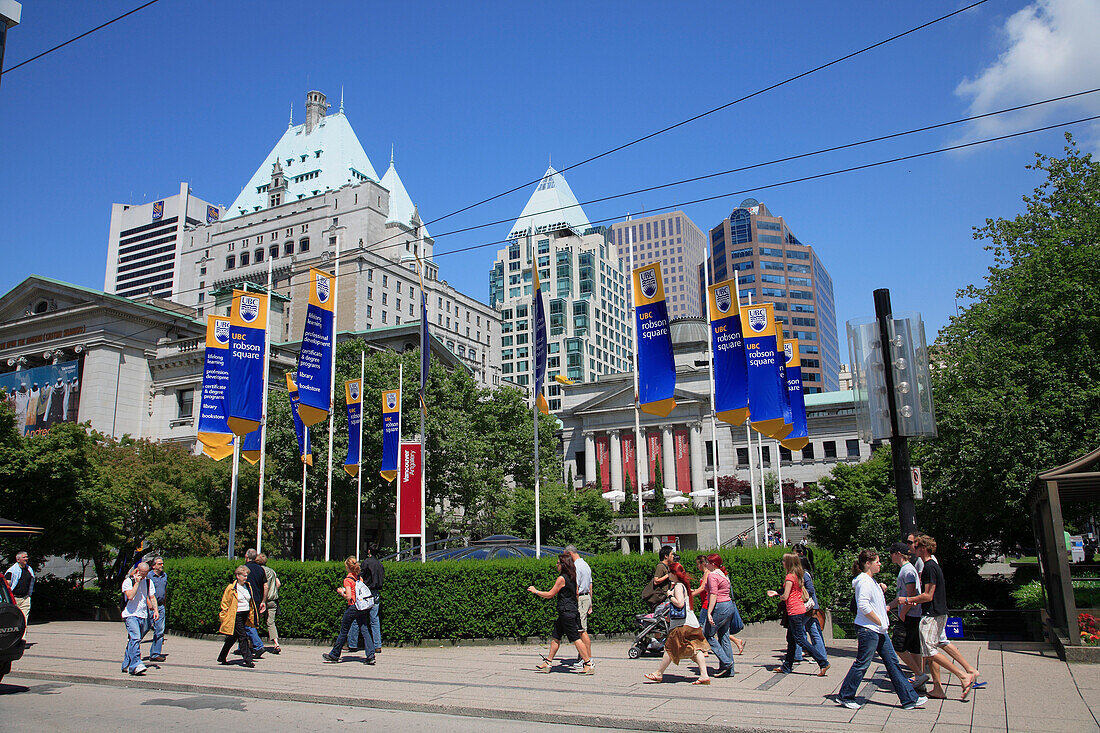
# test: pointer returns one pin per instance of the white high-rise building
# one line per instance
(143, 252)
(586, 286)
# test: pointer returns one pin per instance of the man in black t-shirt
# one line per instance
(933, 600)
(257, 585)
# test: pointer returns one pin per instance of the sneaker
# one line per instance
(576, 663)
(158, 658)
(378, 650)
(250, 665)
(138, 670)
(919, 682)
(259, 654)
(723, 672)
(329, 658)
(274, 649)
(850, 704)
(919, 703)
(371, 661)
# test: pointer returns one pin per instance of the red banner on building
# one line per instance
(653, 449)
(408, 490)
(603, 460)
(630, 460)
(682, 450)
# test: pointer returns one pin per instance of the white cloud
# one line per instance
(1052, 47)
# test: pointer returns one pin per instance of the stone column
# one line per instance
(668, 457)
(589, 458)
(698, 476)
(616, 462)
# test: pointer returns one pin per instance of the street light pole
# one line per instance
(899, 444)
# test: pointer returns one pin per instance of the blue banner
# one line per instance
(784, 392)
(301, 432)
(315, 360)
(247, 327)
(799, 435)
(391, 432)
(766, 388)
(353, 396)
(731, 383)
(425, 349)
(250, 447)
(213, 428)
(653, 343)
(540, 343)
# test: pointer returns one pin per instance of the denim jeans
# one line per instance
(375, 629)
(254, 638)
(158, 634)
(354, 618)
(817, 641)
(870, 641)
(796, 637)
(136, 628)
(720, 633)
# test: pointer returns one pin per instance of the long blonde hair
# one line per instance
(792, 563)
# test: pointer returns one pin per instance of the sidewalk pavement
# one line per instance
(1029, 688)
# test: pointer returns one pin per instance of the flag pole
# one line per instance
(763, 485)
(782, 512)
(332, 395)
(263, 413)
(713, 410)
(535, 391)
(400, 407)
(304, 466)
(233, 495)
(637, 417)
(425, 361)
(748, 443)
(359, 461)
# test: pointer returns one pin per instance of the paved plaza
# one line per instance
(439, 687)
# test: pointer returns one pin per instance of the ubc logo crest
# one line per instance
(722, 298)
(758, 318)
(221, 332)
(211, 214)
(788, 350)
(250, 308)
(648, 280)
(322, 288)
(391, 400)
(354, 389)
(158, 210)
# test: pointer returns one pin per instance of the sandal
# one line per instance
(543, 666)
(650, 677)
(586, 668)
(741, 649)
(701, 682)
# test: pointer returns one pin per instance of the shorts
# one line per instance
(931, 629)
(567, 625)
(584, 605)
(906, 636)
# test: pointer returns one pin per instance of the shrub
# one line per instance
(469, 598)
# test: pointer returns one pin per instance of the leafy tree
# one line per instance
(855, 505)
(1016, 374)
(581, 518)
(731, 487)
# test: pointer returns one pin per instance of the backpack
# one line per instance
(364, 599)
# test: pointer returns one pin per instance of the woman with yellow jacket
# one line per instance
(237, 612)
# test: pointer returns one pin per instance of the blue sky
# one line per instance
(477, 97)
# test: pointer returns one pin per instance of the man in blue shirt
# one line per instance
(160, 585)
(21, 579)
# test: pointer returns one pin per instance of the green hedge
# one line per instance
(468, 598)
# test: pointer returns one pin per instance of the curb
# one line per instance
(560, 717)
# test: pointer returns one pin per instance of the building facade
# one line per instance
(679, 245)
(317, 185)
(143, 247)
(586, 290)
(599, 437)
(773, 266)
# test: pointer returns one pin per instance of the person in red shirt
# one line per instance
(794, 596)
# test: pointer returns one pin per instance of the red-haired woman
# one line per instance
(720, 611)
(685, 640)
(569, 617)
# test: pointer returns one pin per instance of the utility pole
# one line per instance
(899, 444)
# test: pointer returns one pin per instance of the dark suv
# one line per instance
(12, 627)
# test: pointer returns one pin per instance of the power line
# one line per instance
(82, 35)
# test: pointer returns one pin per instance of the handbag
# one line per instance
(819, 614)
(736, 622)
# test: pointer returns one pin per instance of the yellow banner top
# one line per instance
(649, 285)
(353, 391)
(217, 332)
(757, 321)
(290, 385)
(391, 401)
(322, 289)
(249, 310)
(723, 299)
(790, 351)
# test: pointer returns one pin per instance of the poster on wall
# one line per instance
(682, 448)
(42, 396)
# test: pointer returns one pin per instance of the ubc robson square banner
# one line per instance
(301, 432)
(391, 432)
(408, 490)
(731, 386)
(765, 386)
(653, 343)
(353, 397)
(315, 362)
(682, 450)
(784, 393)
(213, 430)
(42, 396)
(247, 327)
(799, 435)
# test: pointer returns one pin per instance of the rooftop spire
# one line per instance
(391, 153)
(291, 123)
(341, 99)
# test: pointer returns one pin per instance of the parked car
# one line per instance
(12, 628)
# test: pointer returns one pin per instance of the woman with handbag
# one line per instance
(736, 624)
(685, 640)
(721, 610)
(238, 610)
(353, 614)
(815, 616)
(794, 598)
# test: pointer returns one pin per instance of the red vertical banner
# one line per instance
(630, 459)
(681, 448)
(408, 490)
(603, 460)
(653, 448)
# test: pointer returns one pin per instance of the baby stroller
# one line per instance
(652, 630)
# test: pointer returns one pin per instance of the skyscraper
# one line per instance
(681, 246)
(589, 325)
(773, 266)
